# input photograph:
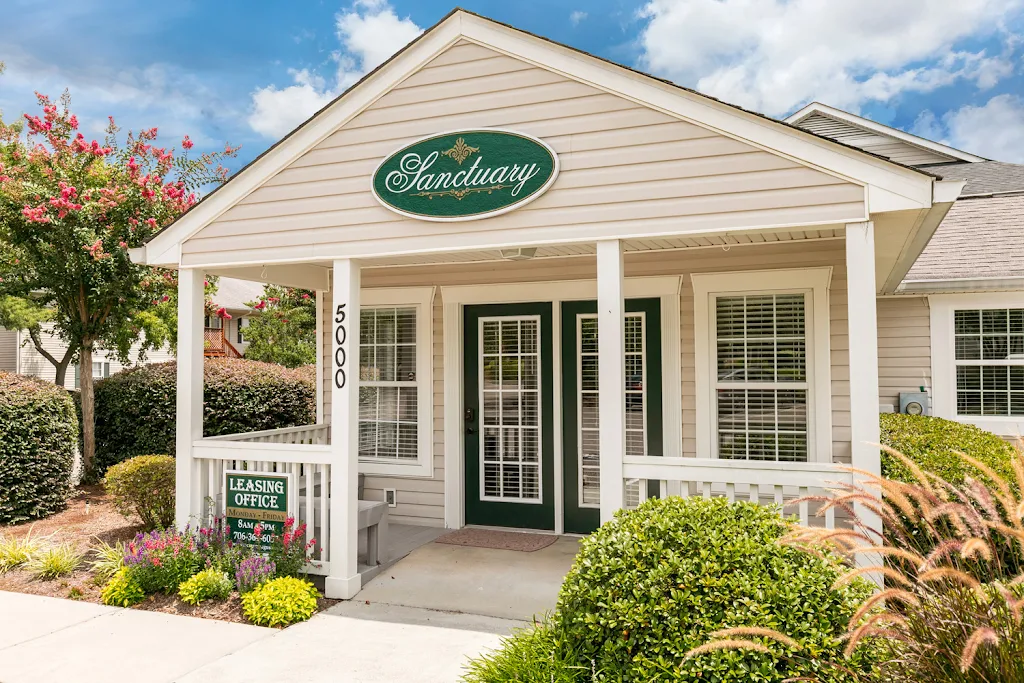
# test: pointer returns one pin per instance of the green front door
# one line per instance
(580, 401)
(509, 445)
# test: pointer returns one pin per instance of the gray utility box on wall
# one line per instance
(915, 403)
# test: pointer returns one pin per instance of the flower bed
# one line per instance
(93, 548)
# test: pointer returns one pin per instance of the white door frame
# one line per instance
(453, 298)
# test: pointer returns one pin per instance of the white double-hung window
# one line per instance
(762, 365)
(395, 382)
(978, 359)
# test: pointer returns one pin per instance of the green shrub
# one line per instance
(162, 560)
(280, 602)
(654, 582)
(14, 551)
(38, 438)
(209, 584)
(529, 655)
(135, 409)
(932, 442)
(144, 485)
(122, 590)
(54, 561)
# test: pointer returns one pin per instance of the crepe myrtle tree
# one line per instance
(283, 328)
(70, 209)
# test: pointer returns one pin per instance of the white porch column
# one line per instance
(863, 322)
(343, 580)
(189, 426)
(611, 313)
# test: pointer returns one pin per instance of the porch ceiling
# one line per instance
(632, 245)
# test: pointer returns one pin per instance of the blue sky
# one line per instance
(246, 72)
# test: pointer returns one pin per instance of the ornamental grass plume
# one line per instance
(952, 558)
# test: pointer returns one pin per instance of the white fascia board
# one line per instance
(161, 250)
(302, 276)
(882, 129)
(824, 155)
(962, 285)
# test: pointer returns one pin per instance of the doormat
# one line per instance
(498, 540)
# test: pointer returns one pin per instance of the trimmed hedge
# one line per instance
(38, 438)
(932, 442)
(655, 582)
(144, 486)
(135, 409)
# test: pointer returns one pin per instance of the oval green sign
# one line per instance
(465, 175)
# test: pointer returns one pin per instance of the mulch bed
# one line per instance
(90, 517)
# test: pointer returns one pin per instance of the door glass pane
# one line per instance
(589, 461)
(510, 398)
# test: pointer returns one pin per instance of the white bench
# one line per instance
(373, 517)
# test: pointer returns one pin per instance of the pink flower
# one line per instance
(223, 314)
(186, 143)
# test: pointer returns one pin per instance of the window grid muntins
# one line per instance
(589, 472)
(510, 409)
(989, 356)
(761, 388)
(388, 390)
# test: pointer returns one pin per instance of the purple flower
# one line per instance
(253, 571)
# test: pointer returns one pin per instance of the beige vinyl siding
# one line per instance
(904, 347)
(8, 350)
(421, 500)
(625, 170)
(870, 141)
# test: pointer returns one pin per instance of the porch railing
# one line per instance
(757, 481)
(308, 462)
(215, 343)
(317, 435)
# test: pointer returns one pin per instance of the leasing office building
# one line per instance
(638, 289)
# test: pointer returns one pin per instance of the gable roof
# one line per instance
(984, 178)
(891, 186)
(979, 239)
(873, 136)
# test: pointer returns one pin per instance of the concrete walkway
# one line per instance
(46, 639)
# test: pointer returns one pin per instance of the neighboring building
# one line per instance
(955, 325)
(225, 336)
(18, 354)
(732, 264)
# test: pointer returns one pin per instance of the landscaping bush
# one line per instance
(162, 560)
(123, 590)
(135, 409)
(252, 572)
(54, 561)
(209, 584)
(14, 551)
(280, 602)
(932, 443)
(38, 437)
(144, 485)
(654, 582)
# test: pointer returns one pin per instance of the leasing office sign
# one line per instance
(257, 505)
(465, 175)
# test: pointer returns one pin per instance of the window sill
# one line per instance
(422, 469)
(1009, 426)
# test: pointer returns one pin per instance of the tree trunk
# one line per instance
(88, 408)
(60, 366)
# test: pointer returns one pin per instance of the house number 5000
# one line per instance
(340, 336)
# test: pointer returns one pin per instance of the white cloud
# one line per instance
(994, 130)
(577, 16)
(775, 55)
(369, 32)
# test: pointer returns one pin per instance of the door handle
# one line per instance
(470, 419)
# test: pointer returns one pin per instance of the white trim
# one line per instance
(814, 282)
(557, 403)
(944, 361)
(453, 298)
(903, 187)
(566, 290)
(962, 285)
(189, 423)
(474, 217)
(874, 127)
(421, 299)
